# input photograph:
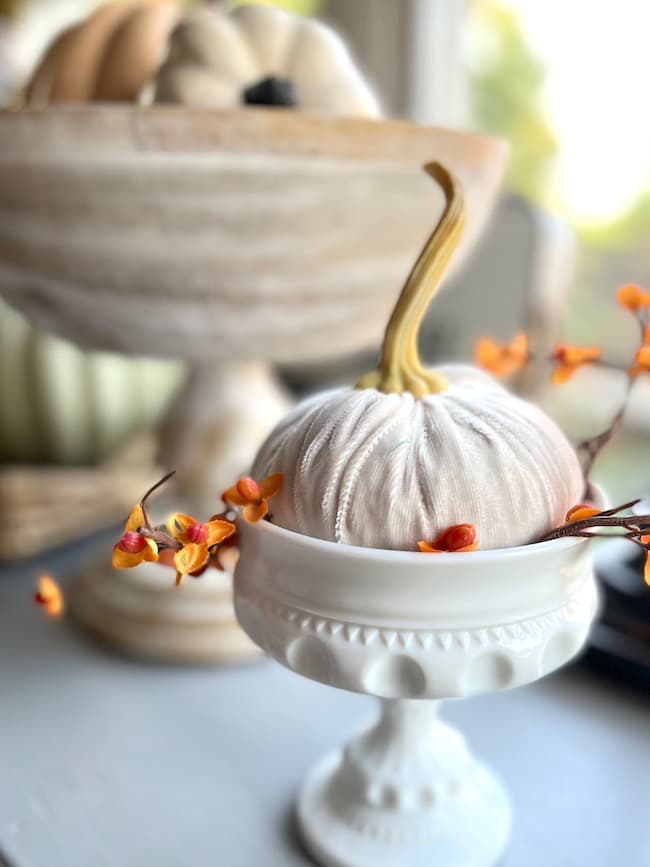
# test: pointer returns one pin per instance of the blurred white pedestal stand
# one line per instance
(232, 407)
(146, 616)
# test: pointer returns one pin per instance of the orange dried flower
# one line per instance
(459, 538)
(633, 297)
(580, 512)
(253, 496)
(646, 570)
(50, 596)
(570, 358)
(228, 552)
(133, 548)
(190, 558)
(197, 539)
(502, 359)
(189, 531)
(642, 359)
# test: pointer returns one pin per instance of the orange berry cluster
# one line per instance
(193, 545)
(505, 359)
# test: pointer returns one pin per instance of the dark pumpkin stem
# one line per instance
(272, 91)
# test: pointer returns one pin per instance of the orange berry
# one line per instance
(197, 533)
(580, 512)
(633, 297)
(458, 536)
(132, 542)
(248, 489)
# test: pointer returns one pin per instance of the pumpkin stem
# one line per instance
(272, 91)
(400, 366)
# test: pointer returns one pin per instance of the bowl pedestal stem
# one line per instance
(406, 792)
(216, 425)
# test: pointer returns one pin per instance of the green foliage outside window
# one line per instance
(507, 81)
(298, 7)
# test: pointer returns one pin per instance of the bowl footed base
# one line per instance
(407, 793)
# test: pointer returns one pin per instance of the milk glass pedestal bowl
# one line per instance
(229, 240)
(411, 629)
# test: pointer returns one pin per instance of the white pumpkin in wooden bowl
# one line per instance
(208, 57)
(411, 452)
(261, 55)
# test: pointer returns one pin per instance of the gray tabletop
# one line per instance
(108, 762)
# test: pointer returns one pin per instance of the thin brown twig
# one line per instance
(622, 508)
(145, 497)
(594, 446)
(161, 538)
(636, 525)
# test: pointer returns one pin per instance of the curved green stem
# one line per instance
(400, 366)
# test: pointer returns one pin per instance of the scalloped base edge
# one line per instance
(470, 834)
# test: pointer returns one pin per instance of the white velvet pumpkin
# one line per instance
(215, 57)
(386, 470)
(411, 451)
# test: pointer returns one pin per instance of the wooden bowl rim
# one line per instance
(116, 129)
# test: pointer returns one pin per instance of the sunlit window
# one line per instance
(569, 90)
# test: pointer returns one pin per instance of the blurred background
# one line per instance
(574, 218)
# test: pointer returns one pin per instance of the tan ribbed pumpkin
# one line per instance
(108, 56)
(410, 452)
(261, 55)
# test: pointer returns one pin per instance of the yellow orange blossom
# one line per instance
(459, 538)
(502, 359)
(188, 530)
(228, 552)
(642, 359)
(190, 559)
(633, 297)
(580, 512)
(253, 496)
(570, 358)
(197, 539)
(133, 548)
(50, 596)
(167, 559)
(646, 570)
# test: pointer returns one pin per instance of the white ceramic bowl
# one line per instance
(409, 625)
